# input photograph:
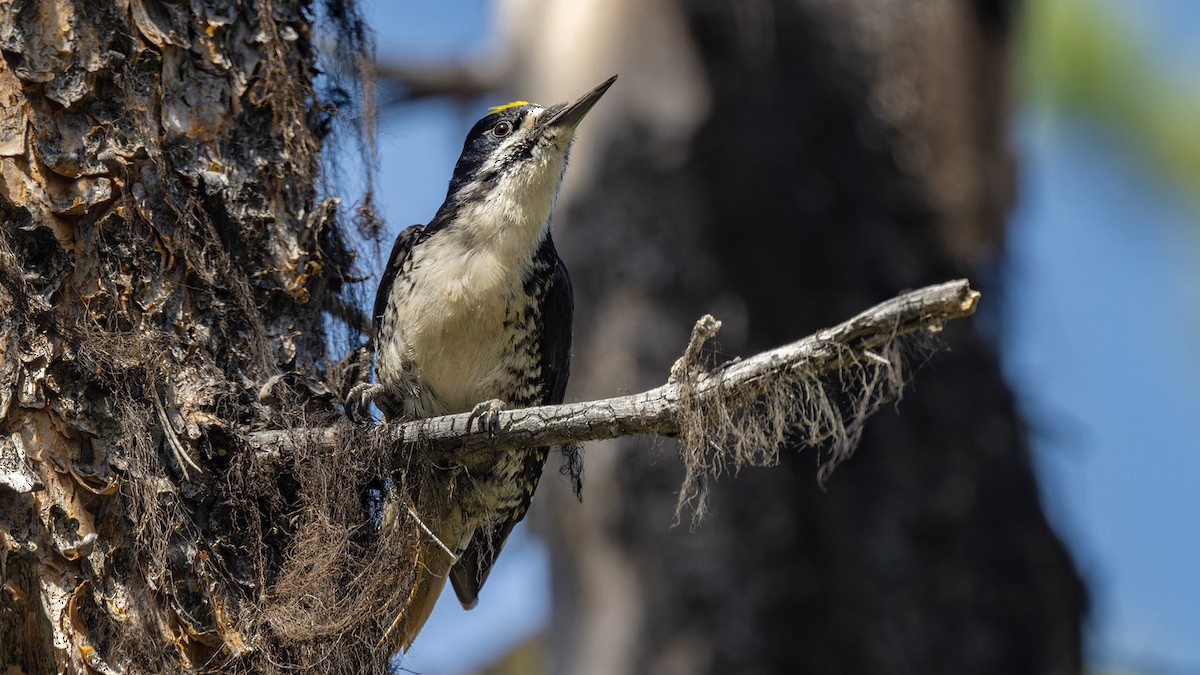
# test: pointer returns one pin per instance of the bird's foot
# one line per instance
(488, 413)
(359, 400)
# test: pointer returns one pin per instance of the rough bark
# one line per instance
(164, 261)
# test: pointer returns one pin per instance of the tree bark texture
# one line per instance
(164, 254)
(779, 163)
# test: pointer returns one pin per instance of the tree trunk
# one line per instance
(780, 164)
(166, 263)
(165, 266)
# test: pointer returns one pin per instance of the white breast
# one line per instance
(450, 320)
(454, 323)
(450, 314)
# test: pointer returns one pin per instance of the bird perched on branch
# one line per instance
(474, 314)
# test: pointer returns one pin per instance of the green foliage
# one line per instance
(1079, 58)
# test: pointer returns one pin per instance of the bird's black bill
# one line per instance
(572, 114)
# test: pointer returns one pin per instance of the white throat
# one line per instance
(513, 219)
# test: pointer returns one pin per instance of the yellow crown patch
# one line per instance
(506, 106)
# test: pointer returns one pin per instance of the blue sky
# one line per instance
(1100, 347)
(1103, 319)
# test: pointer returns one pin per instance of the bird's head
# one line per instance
(519, 151)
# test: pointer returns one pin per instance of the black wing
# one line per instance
(401, 251)
(558, 310)
(556, 362)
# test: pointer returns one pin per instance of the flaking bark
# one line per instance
(165, 265)
(165, 254)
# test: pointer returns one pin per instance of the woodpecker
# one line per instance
(474, 313)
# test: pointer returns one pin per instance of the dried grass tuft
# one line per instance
(724, 431)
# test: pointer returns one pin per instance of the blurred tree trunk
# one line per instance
(163, 255)
(783, 163)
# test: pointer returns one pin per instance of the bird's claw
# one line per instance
(359, 399)
(488, 413)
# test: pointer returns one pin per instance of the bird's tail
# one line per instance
(439, 533)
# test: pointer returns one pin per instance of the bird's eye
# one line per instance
(501, 129)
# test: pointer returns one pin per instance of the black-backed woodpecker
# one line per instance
(474, 313)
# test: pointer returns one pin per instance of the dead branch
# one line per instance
(404, 83)
(853, 343)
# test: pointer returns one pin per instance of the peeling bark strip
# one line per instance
(661, 411)
(164, 251)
